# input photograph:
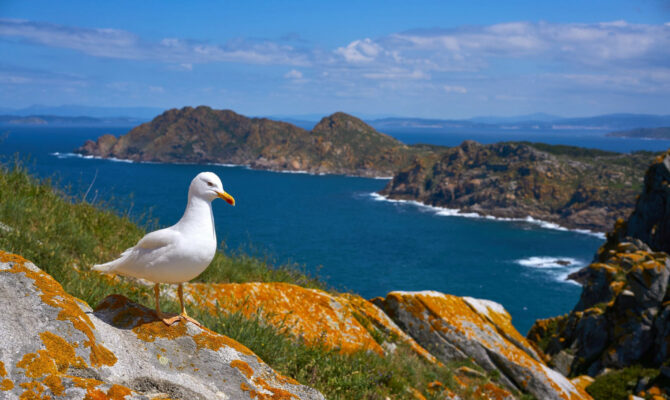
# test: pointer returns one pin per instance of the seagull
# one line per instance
(179, 253)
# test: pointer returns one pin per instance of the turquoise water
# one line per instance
(336, 227)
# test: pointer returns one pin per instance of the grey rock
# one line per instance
(452, 328)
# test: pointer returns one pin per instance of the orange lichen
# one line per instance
(416, 394)
(276, 393)
(54, 383)
(54, 296)
(313, 315)
(6, 385)
(244, 368)
(61, 351)
(33, 391)
(149, 331)
(489, 391)
(95, 394)
(118, 392)
(3, 371)
(85, 383)
(37, 365)
(207, 339)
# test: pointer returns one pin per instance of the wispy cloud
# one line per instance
(120, 44)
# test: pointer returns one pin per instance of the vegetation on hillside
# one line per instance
(65, 237)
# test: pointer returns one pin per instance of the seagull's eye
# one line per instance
(210, 184)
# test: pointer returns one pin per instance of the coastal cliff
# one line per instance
(338, 144)
(573, 187)
(619, 331)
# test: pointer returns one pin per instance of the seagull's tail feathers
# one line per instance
(112, 265)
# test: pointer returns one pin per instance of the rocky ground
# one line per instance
(53, 345)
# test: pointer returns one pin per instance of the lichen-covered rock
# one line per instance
(455, 328)
(622, 317)
(53, 345)
(377, 319)
(310, 314)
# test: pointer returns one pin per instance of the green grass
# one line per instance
(617, 385)
(65, 236)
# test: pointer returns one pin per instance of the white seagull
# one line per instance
(179, 253)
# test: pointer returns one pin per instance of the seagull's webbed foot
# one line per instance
(189, 319)
(169, 320)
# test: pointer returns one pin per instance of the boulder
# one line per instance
(455, 328)
(309, 314)
(53, 345)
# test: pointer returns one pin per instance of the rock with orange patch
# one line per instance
(48, 338)
(454, 328)
(378, 320)
(53, 345)
(310, 314)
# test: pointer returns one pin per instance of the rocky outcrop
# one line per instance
(53, 345)
(455, 328)
(622, 318)
(574, 187)
(345, 322)
(338, 144)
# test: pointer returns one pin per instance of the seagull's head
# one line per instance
(208, 186)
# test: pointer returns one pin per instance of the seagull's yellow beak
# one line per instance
(228, 198)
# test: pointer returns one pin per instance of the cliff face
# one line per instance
(577, 188)
(53, 345)
(339, 144)
(623, 316)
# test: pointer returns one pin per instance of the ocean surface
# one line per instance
(337, 227)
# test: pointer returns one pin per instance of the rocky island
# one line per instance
(573, 187)
(338, 144)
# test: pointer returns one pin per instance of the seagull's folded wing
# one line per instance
(158, 239)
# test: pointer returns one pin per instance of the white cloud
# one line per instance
(359, 51)
(293, 74)
(455, 89)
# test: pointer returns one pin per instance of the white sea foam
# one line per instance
(454, 212)
(557, 267)
(75, 155)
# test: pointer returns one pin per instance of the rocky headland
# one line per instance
(338, 144)
(573, 187)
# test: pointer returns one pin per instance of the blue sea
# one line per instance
(338, 228)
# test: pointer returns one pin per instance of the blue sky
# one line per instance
(441, 59)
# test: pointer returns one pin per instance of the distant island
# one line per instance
(571, 186)
(58, 120)
(644, 133)
(338, 144)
